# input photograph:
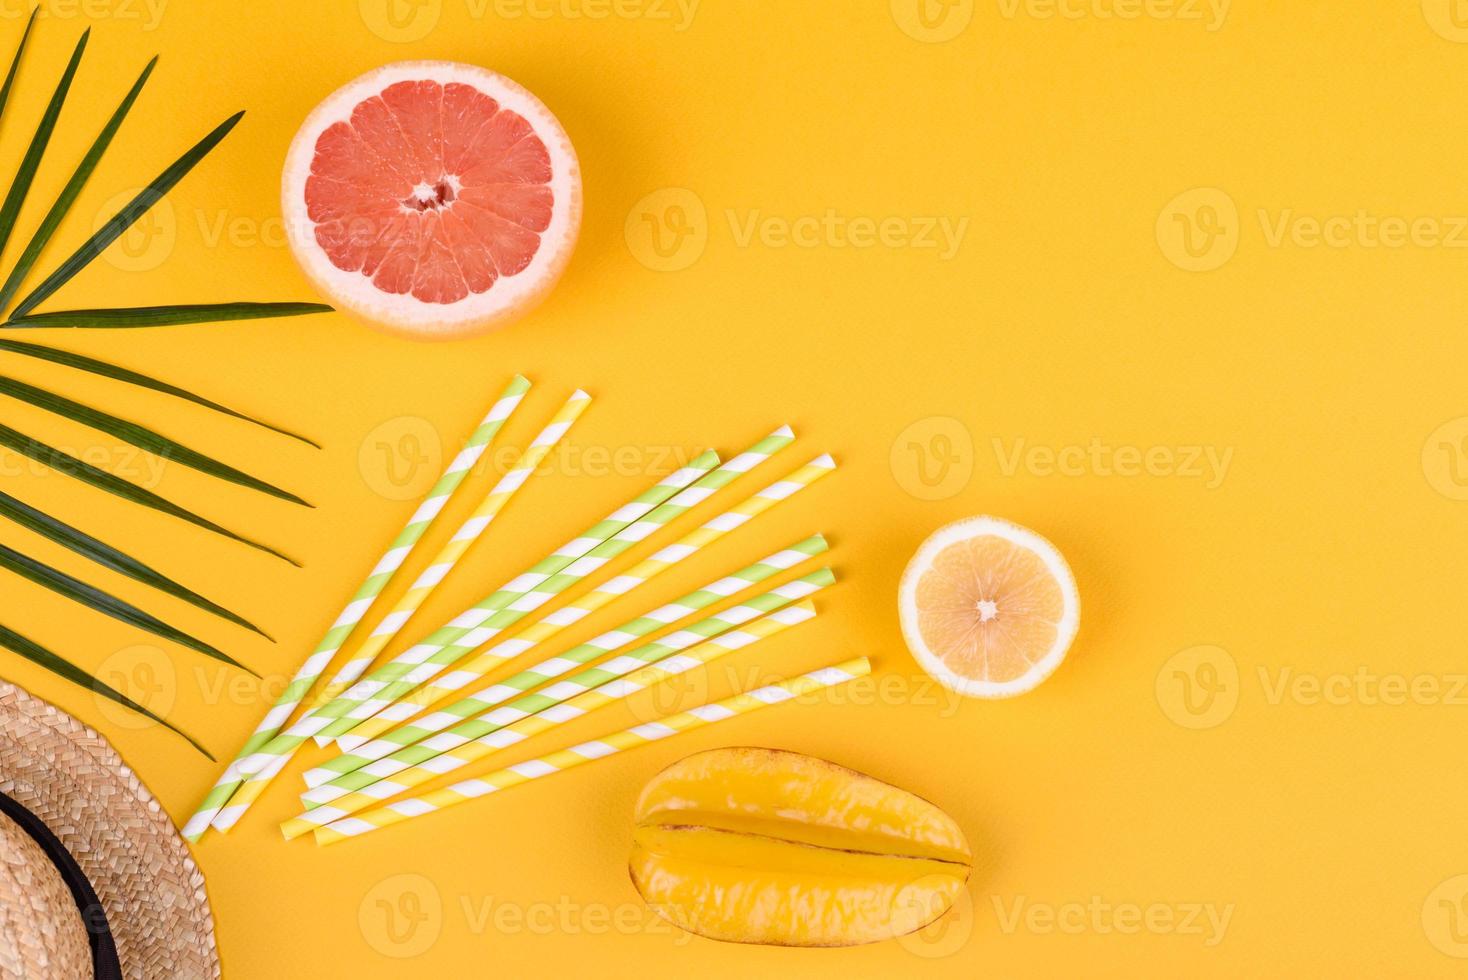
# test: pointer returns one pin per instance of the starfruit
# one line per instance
(754, 845)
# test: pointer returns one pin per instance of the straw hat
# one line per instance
(94, 880)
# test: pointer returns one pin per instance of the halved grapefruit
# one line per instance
(433, 199)
(988, 608)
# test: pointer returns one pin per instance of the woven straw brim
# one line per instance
(41, 931)
(72, 779)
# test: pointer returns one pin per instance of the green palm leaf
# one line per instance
(71, 466)
(137, 435)
(40, 656)
(24, 315)
(31, 162)
(108, 605)
(165, 316)
(109, 557)
(83, 363)
(69, 194)
(125, 218)
(15, 62)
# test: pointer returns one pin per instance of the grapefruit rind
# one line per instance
(512, 296)
(1055, 564)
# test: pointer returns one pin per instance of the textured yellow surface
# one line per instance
(778, 848)
(1180, 286)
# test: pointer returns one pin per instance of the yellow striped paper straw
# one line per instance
(609, 642)
(501, 603)
(364, 598)
(577, 755)
(469, 532)
(276, 753)
(592, 696)
(416, 670)
(411, 751)
(426, 669)
(726, 523)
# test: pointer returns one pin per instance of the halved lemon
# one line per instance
(988, 608)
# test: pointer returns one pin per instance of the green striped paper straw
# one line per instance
(497, 498)
(594, 560)
(474, 739)
(411, 702)
(399, 678)
(713, 713)
(276, 752)
(584, 653)
(397, 553)
(597, 696)
(470, 531)
(474, 617)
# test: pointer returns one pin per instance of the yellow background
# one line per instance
(1072, 314)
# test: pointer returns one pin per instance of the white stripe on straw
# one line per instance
(367, 594)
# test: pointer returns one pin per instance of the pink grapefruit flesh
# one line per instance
(433, 199)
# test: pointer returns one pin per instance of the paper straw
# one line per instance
(282, 746)
(448, 556)
(591, 696)
(612, 640)
(689, 545)
(631, 738)
(309, 671)
(417, 672)
(463, 624)
(573, 574)
(490, 616)
(421, 750)
(733, 519)
(467, 730)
